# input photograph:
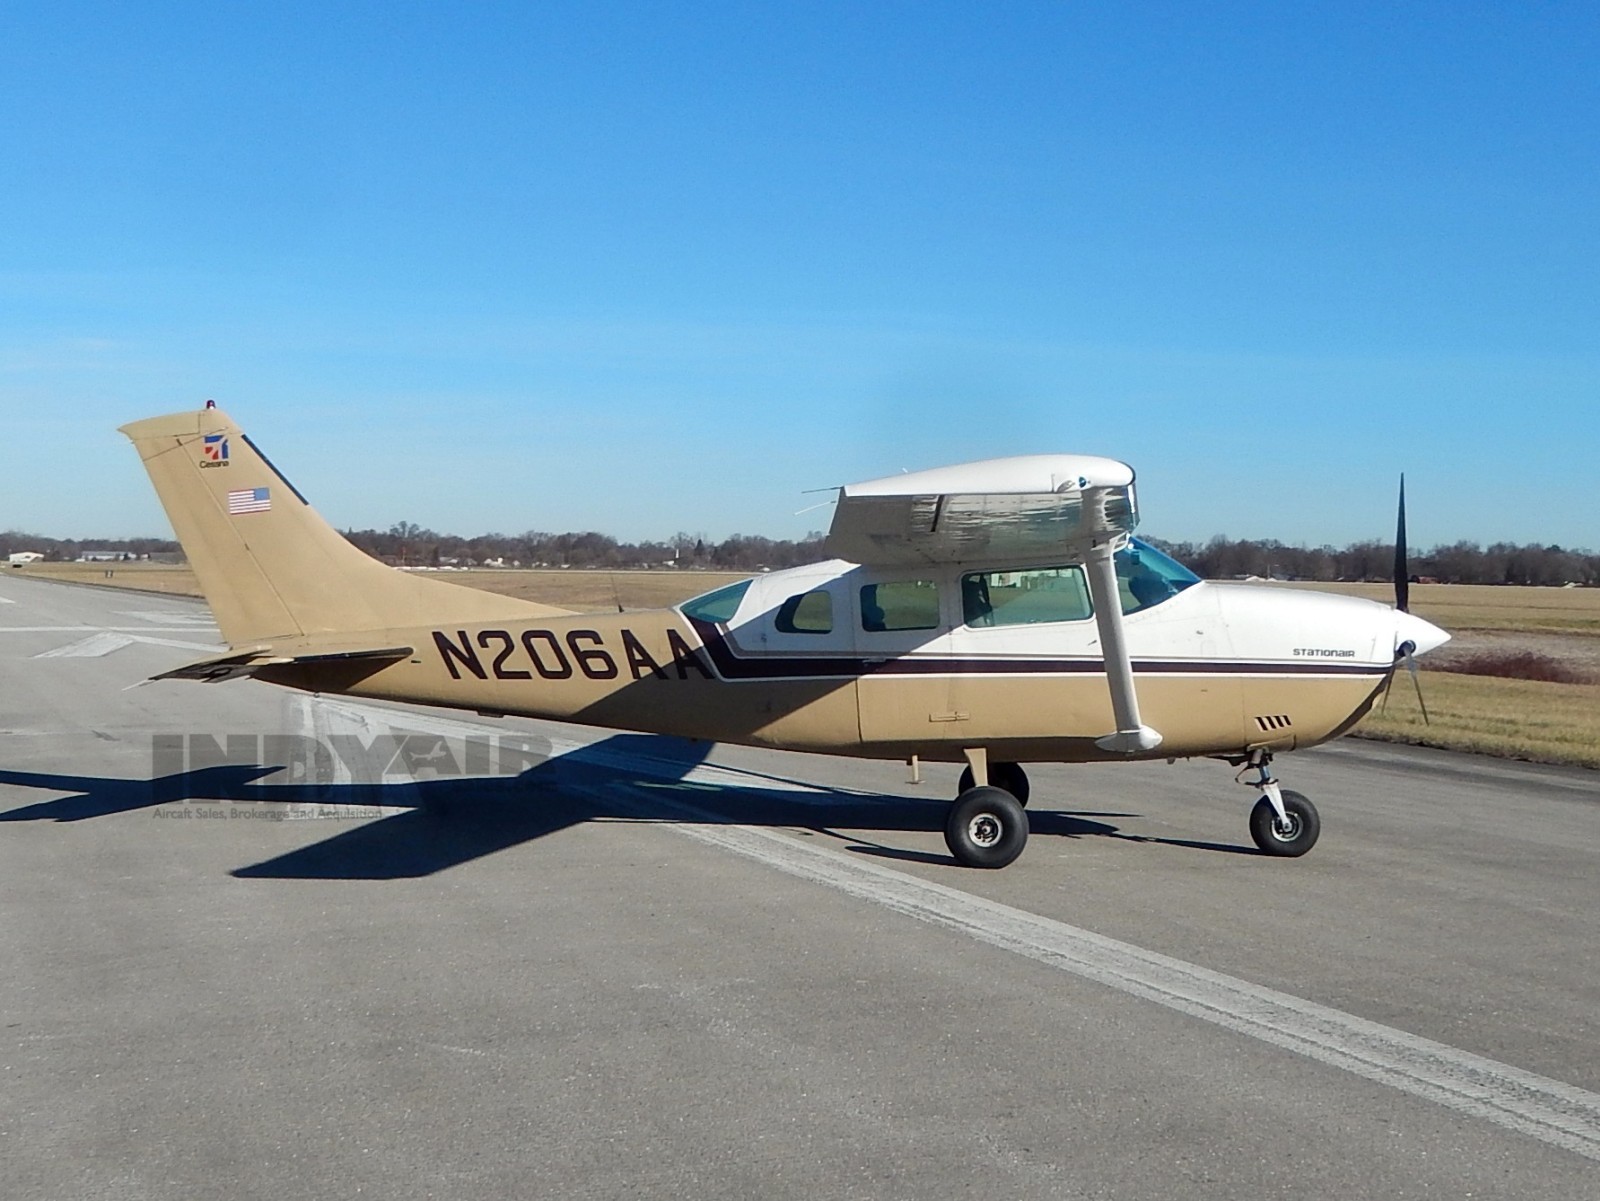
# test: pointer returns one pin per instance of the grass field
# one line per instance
(1463, 607)
(583, 591)
(1523, 719)
(1514, 719)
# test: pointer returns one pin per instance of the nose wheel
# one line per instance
(1284, 824)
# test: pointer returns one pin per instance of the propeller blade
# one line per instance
(1402, 573)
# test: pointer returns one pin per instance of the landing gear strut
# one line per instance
(1009, 776)
(1283, 823)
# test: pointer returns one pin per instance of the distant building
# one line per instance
(101, 556)
(25, 556)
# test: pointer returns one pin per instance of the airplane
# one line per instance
(992, 614)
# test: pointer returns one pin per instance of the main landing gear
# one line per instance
(1283, 823)
(1009, 776)
(987, 826)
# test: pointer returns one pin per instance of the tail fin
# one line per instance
(270, 567)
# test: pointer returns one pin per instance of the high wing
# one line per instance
(1026, 509)
(1012, 512)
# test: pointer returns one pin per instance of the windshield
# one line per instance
(719, 606)
(1146, 577)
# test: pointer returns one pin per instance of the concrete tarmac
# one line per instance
(377, 949)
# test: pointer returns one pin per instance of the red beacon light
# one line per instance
(211, 404)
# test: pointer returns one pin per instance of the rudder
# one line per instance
(271, 568)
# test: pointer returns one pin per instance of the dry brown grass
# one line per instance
(597, 591)
(140, 577)
(1463, 607)
(1515, 719)
(584, 591)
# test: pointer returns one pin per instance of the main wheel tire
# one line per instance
(1289, 840)
(987, 827)
(1009, 776)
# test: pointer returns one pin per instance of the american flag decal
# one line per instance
(249, 500)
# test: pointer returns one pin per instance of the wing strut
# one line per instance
(1132, 735)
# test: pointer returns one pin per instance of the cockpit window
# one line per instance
(1146, 577)
(718, 606)
(808, 613)
(1010, 598)
(900, 605)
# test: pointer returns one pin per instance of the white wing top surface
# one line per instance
(1029, 508)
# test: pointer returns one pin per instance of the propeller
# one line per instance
(1402, 602)
(1402, 575)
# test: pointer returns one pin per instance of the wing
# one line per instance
(1012, 512)
(1027, 509)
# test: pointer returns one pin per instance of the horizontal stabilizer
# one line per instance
(247, 663)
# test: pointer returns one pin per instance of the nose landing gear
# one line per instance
(1282, 823)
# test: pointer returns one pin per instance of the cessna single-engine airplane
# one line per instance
(994, 613)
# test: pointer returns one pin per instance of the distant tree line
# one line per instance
(58, 550)
(409, 545)
(1458, 563)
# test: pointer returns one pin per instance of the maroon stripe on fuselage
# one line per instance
(731, 665)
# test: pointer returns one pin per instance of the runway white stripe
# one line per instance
(105, 642)
(183, 629)
(1549, 1110)
(1557, 1113)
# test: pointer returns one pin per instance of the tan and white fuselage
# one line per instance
(1220, 669)
(998, 612)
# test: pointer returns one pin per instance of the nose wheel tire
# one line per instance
(986, 827)
(1287, 839)
(1009, 776)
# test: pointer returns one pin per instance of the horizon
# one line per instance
(1417, 550)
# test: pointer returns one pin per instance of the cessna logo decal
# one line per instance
(555, 657)
(215, 449)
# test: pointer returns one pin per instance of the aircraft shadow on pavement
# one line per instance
(448, 821)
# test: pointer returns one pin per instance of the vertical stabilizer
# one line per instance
(269, 565)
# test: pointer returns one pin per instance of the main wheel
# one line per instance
(1288, 839)
(986, 827)
(1009, 776)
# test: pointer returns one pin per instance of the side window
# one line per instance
(900, 605)
(1012, 598)
(808, 613)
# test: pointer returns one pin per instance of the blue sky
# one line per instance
(646, 267)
